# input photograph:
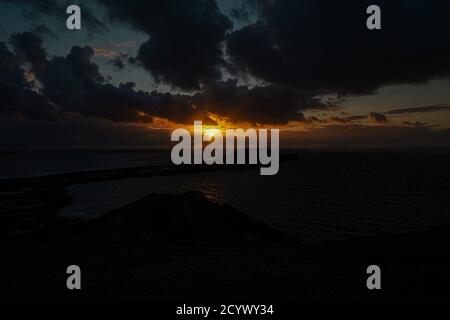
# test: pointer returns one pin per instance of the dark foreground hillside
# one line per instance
(187, 248)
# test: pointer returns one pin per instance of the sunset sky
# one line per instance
(139, 69)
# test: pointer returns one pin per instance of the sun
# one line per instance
(212, 132)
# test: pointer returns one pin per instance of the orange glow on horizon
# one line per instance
(221, 124)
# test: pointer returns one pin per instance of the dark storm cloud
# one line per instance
(377, 117)
(374, 117)
(28, 48)
(34, 8)
(356, 118)
(421, 109)
(241, 12)
(262, 104)
(75, 83)
(118, 62)
(22, 103)
(339, 120)
(185, 38)
(324, 45)
(17, 99)
(299, 48)
(10, 70)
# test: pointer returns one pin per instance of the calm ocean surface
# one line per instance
(323, 195)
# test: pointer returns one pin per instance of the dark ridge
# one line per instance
(187, 218)
(40, 198)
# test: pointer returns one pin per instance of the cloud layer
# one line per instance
(324, 45)
(73, 83)
(272, 71)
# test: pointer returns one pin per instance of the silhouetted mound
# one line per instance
(187, 218)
